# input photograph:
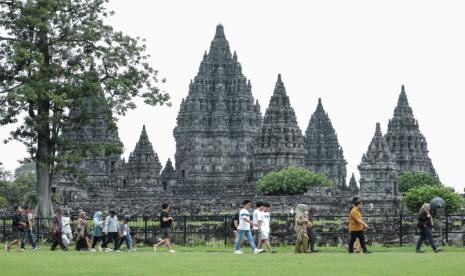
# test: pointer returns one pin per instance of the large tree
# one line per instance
(54, 54)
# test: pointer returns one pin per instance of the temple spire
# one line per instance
(325, 155)
(219, 31)
(279, 87)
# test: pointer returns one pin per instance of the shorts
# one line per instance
(264, 235)
(166, 233)
(18, 234)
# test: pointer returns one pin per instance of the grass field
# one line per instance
(221, 261)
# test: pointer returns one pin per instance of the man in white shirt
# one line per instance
(265, 219)
(257, 214)
(244, 228)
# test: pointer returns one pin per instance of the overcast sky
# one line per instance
(355, 55)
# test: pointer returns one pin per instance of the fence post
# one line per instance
(4, 230)
(400, 227)
(37, 230)
(185, 230)
(145, 230)
(226, 232)
(447, 225)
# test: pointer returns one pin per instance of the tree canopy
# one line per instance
(57, 54)
(417, 196)
(408, 180)
(291, 181)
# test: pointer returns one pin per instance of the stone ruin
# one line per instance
(223, 146)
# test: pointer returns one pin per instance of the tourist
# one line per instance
(244, 228)
(27, 234)
(165, 228)
(18, 225)
(111, 231)
(67, 232)
(425, 224)
(58, 231)
(310, 231)
(300, 225)
(97, 234)
(357, 225)
(125, 235)
(264, 234)
(257, 214)
(82, 242)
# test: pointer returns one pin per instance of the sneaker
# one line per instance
(420, 251)
(117, 251)
(35, 248)
(93, 250)
(108, 249)
(99, 249)
(257, 251)
(438, 250)
(155, 248)
(238, 252)
(171, 251)
(22, 250)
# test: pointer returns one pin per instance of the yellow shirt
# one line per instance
(354, 217)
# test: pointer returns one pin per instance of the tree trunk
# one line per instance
(44, 206)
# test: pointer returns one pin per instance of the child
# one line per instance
(125, 235)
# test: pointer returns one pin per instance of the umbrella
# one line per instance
(437, 203)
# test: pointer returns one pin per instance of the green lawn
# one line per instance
(221, 261)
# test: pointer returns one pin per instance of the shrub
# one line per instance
(408, 180)
(291, 181)
(416, 196)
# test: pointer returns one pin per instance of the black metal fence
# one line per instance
(388, 230)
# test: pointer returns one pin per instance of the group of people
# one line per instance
(22, 223)
(106, 231)
(253, 229)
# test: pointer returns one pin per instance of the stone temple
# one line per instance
(224, 145)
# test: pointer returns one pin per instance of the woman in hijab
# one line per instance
(82, 242)
(301, 224)
(425, 224)
(97, 234)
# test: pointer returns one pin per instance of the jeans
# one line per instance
(27, 235)
(361, 237)
(426, 234)
(128, 241)
(240, 236)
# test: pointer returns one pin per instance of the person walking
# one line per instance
(357, 225)
(58, 231)
(111, 231)
(82, 242)
(67, 232)
(300, 225)
(311, 232)
(28, 234)
(425, 225)
(166, 222)
(125, 234)
(97, 234)
(18, 225)
(265, 228)
(256, 216)
(244, 229)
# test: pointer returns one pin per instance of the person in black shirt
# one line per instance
(425, 224)
(18, 225)
(165, 228)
